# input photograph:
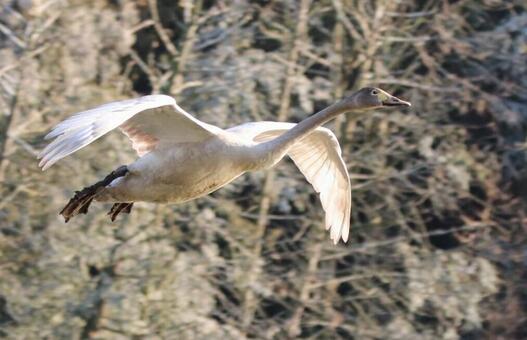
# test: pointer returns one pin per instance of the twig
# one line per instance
(171, 48)
(394, 240)
(4, 29)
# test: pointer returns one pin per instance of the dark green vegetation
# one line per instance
(438, 241)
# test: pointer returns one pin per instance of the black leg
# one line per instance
(118, 208)
(80, 203)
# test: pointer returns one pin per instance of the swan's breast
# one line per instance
(183, 172)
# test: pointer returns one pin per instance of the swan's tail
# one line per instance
(80, 203)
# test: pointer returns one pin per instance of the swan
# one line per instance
(182, 158)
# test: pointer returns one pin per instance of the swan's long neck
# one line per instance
(272, 151)
(309, 124)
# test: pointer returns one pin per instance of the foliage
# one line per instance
(439, 191)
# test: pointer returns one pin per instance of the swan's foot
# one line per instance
(118, 208)
(80, 203)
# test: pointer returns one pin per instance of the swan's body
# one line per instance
(181, 172)
(182, 158)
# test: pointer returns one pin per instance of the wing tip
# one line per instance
(44, 165)
(50, 135)
(337, 239)
(339, 232)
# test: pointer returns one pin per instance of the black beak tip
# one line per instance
(396, 102)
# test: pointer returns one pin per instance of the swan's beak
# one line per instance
(394, 101)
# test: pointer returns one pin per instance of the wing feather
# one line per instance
(318, 157)
(147, 121)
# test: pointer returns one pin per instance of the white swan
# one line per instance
(182, 158)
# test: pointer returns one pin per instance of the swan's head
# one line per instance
(373, 98)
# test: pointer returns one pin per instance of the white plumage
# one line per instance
(318, 157)
(182, 158)
(160, 120)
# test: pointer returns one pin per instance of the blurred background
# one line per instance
(438, 241)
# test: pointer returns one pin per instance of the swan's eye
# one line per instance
(374, 92)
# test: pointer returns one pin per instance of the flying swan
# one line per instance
(182, 158)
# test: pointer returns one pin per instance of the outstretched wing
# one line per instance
(147, 121)
(318, 156)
